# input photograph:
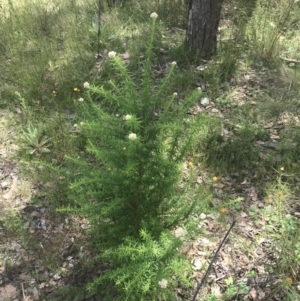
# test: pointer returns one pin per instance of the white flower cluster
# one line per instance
(154, 15)
(174, 63)
(112, 54)
(132, 136)
(127, 117)
(80, 99)
(163, 283)
(86, 85)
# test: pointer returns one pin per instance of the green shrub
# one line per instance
(232, 153)
(144, 269)
(128, 183)
(270, 21)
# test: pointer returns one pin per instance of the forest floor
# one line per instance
(252, 171)
(41, 251)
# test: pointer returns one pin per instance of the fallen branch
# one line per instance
(290, 60)
(211, 263)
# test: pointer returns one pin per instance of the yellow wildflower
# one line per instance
(280, 193)
(190, 164)
(76, 89)
(223, 210)
(282, 168)
(215, 179)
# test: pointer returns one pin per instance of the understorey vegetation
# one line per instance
(127, 158)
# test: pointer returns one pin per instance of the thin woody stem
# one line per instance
(211, 263)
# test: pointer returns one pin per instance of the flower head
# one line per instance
(76, 89)
(215, 179)
(154, 15)
(190, 164)
(54, 92)
(112, 54)
(80, 99)
(86, 85)
(204, 101)
(223, 210)
(132, 136)
(163, 283)
(280, 193)
(282, 168)
(127, 117)
(175, 94)
(174, 63)
(289, 280)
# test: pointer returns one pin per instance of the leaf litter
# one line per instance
(54, 236)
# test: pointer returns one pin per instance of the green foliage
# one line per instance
(130, 133)
(230, 153)
(71, 293)
(12, 223)
(234, 205)
(145, 268)
(228, 62)
(290, 148)
(128, 182)
(269, 22)
(45, 47)
(234, 289)
(172, 12)
(283, 230)
(211, 298)
(34, 141)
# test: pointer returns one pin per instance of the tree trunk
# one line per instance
(202, 28)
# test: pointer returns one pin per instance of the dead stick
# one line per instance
(212, 261)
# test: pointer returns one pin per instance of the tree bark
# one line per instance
(202, 28)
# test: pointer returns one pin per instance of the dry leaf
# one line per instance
(215, 290)
(252, 294)
(219, 185)
(243, 214)
(244, 182)
(197, 264)
(253, 194)
(24, 277)
(8, 291)
(261, 295)
(125, 56)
